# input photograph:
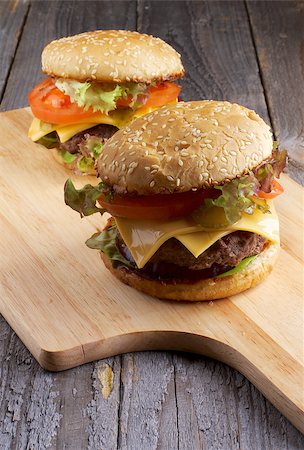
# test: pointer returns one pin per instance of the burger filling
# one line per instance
(82, 150)
(173, 263)
(64, 109)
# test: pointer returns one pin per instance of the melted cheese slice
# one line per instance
(118, 118)
(143, 238)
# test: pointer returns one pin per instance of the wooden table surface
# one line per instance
(248, 52)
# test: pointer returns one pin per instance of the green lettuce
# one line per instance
(271, 168)
(244, 263)
(91, 146)
(85, 164)
(50, 140)
(106, 242)
(237, 197)
(68, 157)
(84, 200)
(98, 95)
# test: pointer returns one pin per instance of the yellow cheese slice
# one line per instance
(143, 238)
(118, 118)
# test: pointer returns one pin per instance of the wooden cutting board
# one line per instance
(68, 309)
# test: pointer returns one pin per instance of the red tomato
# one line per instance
(162, 94)
(159, 95)
(51, 105)
(276, 189)
(158, 206)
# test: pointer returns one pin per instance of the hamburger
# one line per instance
(190, 190)
(98, 82)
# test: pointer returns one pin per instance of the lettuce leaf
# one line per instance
(271, 168)
(98, 96)
(84, 200)
(106, 242)
(85, 164)
(50, 140)
(244, 263)
(68, 157)
(236, 197)
(91, 146)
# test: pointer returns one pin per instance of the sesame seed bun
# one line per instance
(112, 56)
(209, 289)
(190, 145)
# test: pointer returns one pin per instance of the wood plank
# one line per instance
(219, 408)
(148, 415)
(12, 17)
(278, 33)
(215, 43)
(106, 317)
(28, 410)
(50, 20)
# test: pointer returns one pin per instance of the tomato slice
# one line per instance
(156, 207)
(159, 95)
(276, 189)
(162, 94)
(51, 105)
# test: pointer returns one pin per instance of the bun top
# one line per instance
(190, 145)
(112, 56)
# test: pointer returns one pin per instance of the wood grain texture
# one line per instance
(215, 43)
(107, 317)
(259, 424)
(12, 17)
(278, 32)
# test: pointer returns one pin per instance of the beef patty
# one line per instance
(102, 131)
(172, 259)
(230, 250)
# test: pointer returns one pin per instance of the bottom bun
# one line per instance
(204, 290)
(71, 166)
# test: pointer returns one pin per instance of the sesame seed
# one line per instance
(170, 178)
(152, 183)
(180, 162)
